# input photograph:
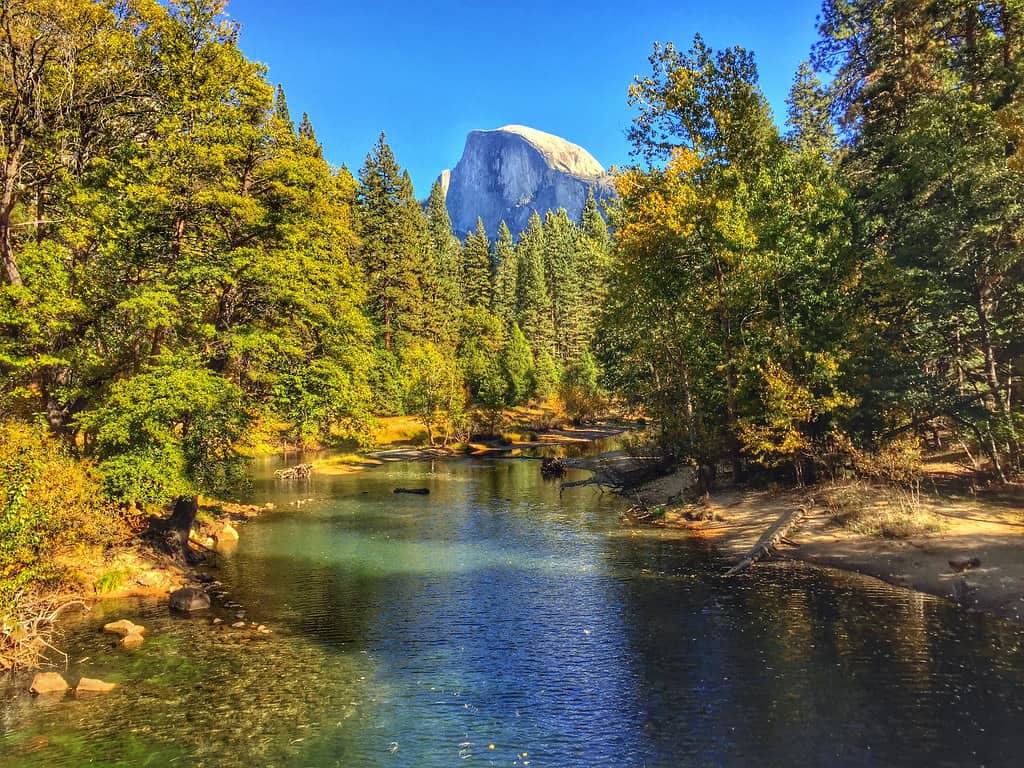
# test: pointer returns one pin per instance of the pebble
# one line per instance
(238, 624)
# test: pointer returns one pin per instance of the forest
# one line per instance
(184, 275)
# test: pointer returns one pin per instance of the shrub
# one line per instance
(111, 581)
(48, 500)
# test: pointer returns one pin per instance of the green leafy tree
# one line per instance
(433, 386)
(730, 255)
(579, 390)
(517, 364)
(481, 338)
(546, 375)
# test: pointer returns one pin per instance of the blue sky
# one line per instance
(428, 73)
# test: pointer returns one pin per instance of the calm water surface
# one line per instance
(421, 630)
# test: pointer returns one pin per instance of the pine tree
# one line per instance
(444, 249)
(924, 90)
(506, 260)
(476, 267)
(281, 111)
(595, 262)
(533, 304)
(565, 284)
(394, 248)
(809, 118)
(308, 136)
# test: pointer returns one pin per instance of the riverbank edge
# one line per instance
(137, 570)
(921, 563)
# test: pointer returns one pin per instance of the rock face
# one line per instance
(508, 173)
(189, 599)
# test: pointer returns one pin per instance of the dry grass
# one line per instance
(345, 464)
(399, 430)
(889, 511)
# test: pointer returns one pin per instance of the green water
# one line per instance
(421, 630)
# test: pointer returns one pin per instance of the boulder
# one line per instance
(189, 599)
(124, 628)
(227, 534)
(131, 641)
(48, 682)
(91, 685)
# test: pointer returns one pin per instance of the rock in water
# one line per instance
(131, 641)
(48, 682)
(508, 173)
(91, 685)
(962, 564)
(124, 628)
(189, 599)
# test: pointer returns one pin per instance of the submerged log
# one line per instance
(770, 539)
(418, 491)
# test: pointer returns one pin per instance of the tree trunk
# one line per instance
(8, 198)
(731, 384)
(1000, 399)
(178, 526)
(983, 302)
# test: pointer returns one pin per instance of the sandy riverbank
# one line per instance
(988, 526)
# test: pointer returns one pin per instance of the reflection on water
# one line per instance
(421, 630)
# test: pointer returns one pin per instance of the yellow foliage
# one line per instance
(789, 408)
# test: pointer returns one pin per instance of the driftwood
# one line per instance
(550, 467)
(770, 539)
(298, 472)
(418, 491)
(25, 637)
(640, 513)
(617, 475)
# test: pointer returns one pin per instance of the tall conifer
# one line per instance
(476, 267)
(394, 247)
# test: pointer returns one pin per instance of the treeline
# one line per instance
(180, 268)
(504, 322)
(792, 299)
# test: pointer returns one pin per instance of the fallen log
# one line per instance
(770, 539)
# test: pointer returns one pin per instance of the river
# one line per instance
(499, 622)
